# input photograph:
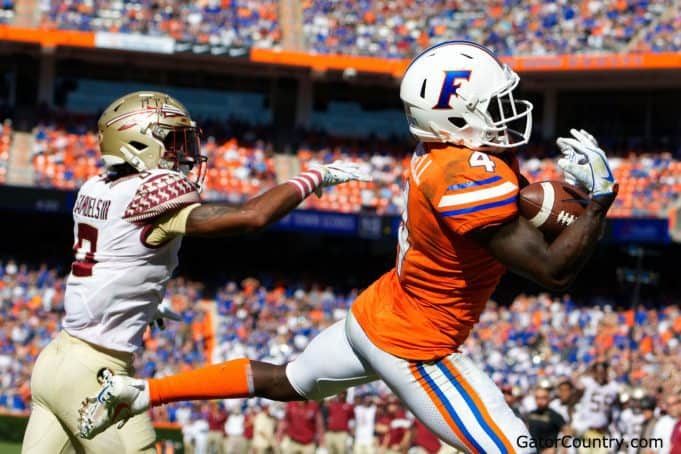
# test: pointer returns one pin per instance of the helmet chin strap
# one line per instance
(133, 160)
(445, 136)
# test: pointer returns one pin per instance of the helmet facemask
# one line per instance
(182, 151)
(507, 121)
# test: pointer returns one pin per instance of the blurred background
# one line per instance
(279, 84)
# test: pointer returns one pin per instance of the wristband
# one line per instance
(307, 182)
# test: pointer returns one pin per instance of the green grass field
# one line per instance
(7, 447)
(13, 426)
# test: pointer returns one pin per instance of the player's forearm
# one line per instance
(569, 252)
(217, 219)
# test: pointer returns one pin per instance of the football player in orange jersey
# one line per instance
(460, 232)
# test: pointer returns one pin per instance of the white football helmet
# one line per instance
(459, 92)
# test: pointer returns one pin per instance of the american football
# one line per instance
(551, 205)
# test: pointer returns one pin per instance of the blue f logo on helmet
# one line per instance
(449, 87)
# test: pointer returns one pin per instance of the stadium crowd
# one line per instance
(663, 37)
(393, 29)
(243, 23)
(6, 11)
(241, 167)
(5, 142)
(399, 29)
(541, 350)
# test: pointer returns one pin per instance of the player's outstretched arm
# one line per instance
(222, 219)
(522, 248)
(218, 219)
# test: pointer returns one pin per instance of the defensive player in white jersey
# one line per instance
(594, 412)
(128, 226)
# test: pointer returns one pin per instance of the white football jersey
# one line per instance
(117, 280)
(630, 426)
(596, 404)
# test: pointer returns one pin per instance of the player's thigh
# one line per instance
(71, 376)
(137, 435)
(328, 366)
(45, 433)
(454, 398)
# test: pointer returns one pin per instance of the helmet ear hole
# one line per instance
(423, 89)
(459, 122)
(138, 145)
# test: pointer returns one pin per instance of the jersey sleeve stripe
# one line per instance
(476, 208)
(478, 195)
(470, 184)
(418, 174)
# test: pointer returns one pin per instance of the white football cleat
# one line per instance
(119, 399)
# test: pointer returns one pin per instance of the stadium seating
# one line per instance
(517, 27)
(7, 11)
(250, 23)
(238, 170)
(649, 183)
(396, 29)
(665, 36)
(5, 142)
(64, 160)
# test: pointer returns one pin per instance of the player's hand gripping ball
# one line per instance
(551, 206)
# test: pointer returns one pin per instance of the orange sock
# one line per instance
(219, 381)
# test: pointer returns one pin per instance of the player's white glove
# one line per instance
(584, 160)
(164, 311)
(339, 172)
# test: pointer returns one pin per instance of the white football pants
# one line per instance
(453, 397)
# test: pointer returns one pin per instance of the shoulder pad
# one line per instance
(160, 193)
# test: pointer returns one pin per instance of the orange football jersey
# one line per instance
(424, 308)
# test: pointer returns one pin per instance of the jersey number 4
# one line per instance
(84, 249)
(479, 159)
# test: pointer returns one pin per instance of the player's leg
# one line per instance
(45, 430)
(138, 435)
(70, 375)
(327, 366)
(45, 433)
(454, 398)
